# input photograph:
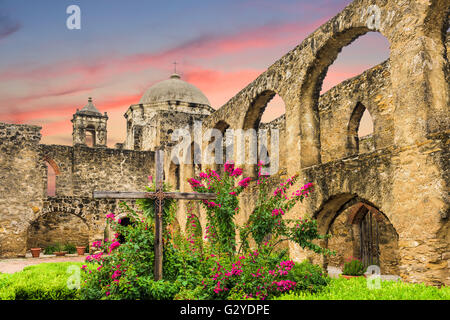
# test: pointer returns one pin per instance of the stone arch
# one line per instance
(58, 225)
(353, 139)
(342, 217)
(252, 120)
(310, 91)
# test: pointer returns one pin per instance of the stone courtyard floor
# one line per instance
(17, 264)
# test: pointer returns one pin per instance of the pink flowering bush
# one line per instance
(268, 219)
(221, 212)
(122, 267)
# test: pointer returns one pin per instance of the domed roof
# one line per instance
(174, 89)
(89, 109)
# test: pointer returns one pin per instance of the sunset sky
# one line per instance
(48, 71)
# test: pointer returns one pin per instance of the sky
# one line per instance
(48, 71)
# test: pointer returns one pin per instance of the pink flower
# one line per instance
(150, 178)
(229, 167)
(236, 172)
(114, 245)
(244, 182)
(110, 216)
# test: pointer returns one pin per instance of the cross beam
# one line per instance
(144, 195)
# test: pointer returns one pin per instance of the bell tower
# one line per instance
(89, 121)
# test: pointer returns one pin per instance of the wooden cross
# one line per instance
(159, 195)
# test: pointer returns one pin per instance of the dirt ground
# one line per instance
(17, 264)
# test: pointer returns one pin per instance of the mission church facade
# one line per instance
(383, 198)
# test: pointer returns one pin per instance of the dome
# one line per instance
(174, 89)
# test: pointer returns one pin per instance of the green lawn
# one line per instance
(45, 281)
(357, 289)
(48, 281)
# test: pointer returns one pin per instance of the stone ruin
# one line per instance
(384, 199)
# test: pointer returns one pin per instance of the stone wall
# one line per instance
(28, 215)
(402, 170)
(21, 185)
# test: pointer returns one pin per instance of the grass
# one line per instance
(357, 289)
(48, 281)
(45, 281)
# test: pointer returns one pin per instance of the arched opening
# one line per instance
(125, 221)
(308, 119)
(220, 159)
(358, 229)
(263, 116)
(137, 137)
(360, 131)
(57, 227)
(360, 55)
(52, 171)
(174, 175)
(90, 138)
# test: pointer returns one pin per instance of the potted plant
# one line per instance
(59, 250)
(35, 252)
(81, 250)
(353, 268)
(70, 248)
(49, 249)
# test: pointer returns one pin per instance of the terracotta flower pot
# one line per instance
(60, 253)
(80, 251)
(35, 252)
(349, 277)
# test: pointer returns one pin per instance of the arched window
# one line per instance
(90, 138)
(51, 181)
(52, 171)
(360, 130)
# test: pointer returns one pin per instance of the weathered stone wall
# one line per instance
(21, 185)
(157, 121)
(403, 169)
(109, 169)
(79, 171)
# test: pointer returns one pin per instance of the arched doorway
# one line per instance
(358, 229)
(57, 227)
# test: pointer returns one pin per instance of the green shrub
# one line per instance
(50, 249)
(358, 289)
(308, 277)
(353, 267)
(189, 294)
(46, 281)
(70, 248)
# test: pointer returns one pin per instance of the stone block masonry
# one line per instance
(24, 203)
